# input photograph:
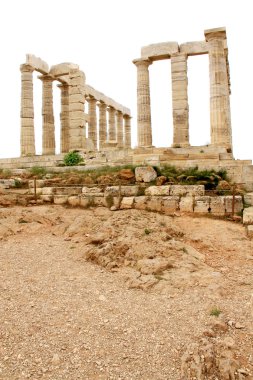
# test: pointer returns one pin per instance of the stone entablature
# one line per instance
(215, 45)
(74, 94)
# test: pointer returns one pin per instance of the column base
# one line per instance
(186, 145)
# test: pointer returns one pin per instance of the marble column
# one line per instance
(180, 100)
(112, 125)
(127, 128)
(119, 118)
(64, 115)
(144, 130)
(220, 119)
(48, 128)
(102, 124)
(92, 130)
(27, 139)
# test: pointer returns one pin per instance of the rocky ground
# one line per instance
(95, 294)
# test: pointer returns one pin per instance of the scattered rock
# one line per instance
(145, 174)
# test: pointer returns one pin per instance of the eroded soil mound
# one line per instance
(95, 294)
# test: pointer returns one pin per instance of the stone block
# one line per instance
(127, 203)
(185, 190)
(68, 190)
(154, 204)
(39, 183)
(170, 204)
(186, 204)
(217, 206)
(140, 203)
(99, 201)
(74, 200)
(7, 183)
(84, 201)
(202, 204)
(47, 198)
(125, 191)
(60, 199)
(158, 190)
(145, 174)
(238, 203)
(248, 199)
(248, 215)
(92, 191)
(47, 191)
(250, 231)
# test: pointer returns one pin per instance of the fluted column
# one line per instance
(144, 131)
(180, 100)
(112, 125)
(48, 128)
(102, 124)
(127, 128)
(27, 140)
(219, 89)
(92, 131)
(120, 141)
(64, 115)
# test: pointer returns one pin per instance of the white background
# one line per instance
(103, 37)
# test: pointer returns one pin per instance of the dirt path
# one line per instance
(62, 317)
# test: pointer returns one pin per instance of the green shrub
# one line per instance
(215, 312)
(72, 159)
(38, 171)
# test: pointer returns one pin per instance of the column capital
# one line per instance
(46, 78)
(215, 34)
(24, 68)
(102, 105)
(91, 99)
(142, 62)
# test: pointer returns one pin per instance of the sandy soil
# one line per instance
(95, 294)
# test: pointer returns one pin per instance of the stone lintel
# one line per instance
(99, 96)
(216, 33)
(63, 69)
(194, 48)
(38, 64)
(162, 50)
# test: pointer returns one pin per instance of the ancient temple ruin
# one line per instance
(215, 45)
(74, 94)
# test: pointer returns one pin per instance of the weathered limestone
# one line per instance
(27, 140)
(102, 124)
(144, 131)
(180, 100)
(120, 136)
(216, 46)
(127, 130)
(64, 115)
(219, 89)
(74, 93)
(76, 112)
(112, 125)
(48, 128)
(92, 131)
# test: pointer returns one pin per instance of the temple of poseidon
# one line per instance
(106, 139)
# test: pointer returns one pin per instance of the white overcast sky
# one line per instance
(103, 37)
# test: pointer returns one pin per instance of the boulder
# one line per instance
(126, 174)
(160, 180)
(145, 174)
(248, 215)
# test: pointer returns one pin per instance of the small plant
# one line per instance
(38, 171)
(72, 159)
(147, 231)
(215, 312)
(184, 250)
(17, 183)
